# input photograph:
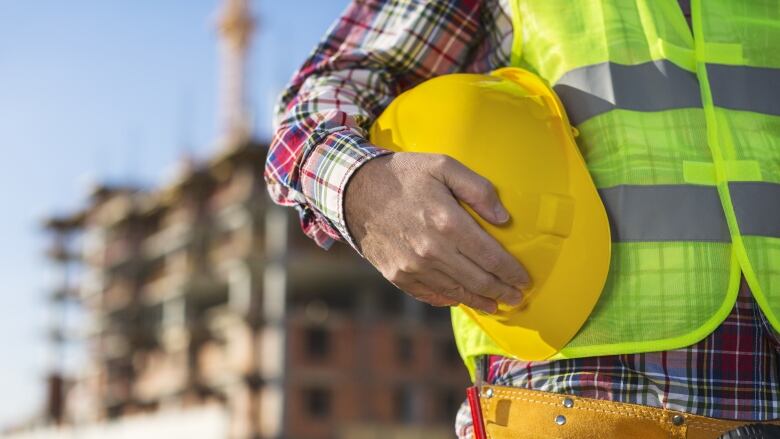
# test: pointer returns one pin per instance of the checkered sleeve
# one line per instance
(373, 52)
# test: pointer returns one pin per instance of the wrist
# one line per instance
(360, 187)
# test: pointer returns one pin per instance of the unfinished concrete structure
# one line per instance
(202, 294)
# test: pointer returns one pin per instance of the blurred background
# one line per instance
(150, 288)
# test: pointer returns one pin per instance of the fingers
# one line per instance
(467, 237)
(457, 246)
(476, 279)
(423, 240)
(471, 188)
(484, 251)
(426, 294)
(442, 283)
(438, 289)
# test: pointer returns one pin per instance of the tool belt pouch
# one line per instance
(509, 412)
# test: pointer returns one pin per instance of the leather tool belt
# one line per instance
(510, 412)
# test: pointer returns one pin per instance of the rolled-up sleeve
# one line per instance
(373, 52)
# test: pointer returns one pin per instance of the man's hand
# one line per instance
(402, 210)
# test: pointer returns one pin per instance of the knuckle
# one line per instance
(491, 262)
(444, 221)
(427, 249)
(484, 187)
(456, 292)
(411, 264)
(483, 284)
(394, 275)
(442, 161)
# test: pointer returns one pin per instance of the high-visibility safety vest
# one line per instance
(681, 133)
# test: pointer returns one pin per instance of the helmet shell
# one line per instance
(511, 128)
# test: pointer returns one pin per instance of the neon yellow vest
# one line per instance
(681, 133)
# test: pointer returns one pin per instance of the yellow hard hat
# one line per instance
(511, 128)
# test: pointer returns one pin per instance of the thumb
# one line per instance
(472, 189)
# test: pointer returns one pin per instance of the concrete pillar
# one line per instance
(273, 338)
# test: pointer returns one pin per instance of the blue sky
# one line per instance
(95, 90)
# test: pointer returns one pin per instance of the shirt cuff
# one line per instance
(337, 154)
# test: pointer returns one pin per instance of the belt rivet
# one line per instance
(568, 403)
(678, 420)
(560, 419)
(489, 393)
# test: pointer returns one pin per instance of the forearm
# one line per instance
(375, 51)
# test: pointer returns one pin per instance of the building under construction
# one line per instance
(209, 314)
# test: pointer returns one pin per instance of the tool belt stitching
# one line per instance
(486, 409)
(640, 413)
(712, 426)
(702, 427)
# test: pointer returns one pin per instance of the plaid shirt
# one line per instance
(378, 49)
(734, 373)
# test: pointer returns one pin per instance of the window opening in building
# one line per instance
(318, 402)
(405, 349)
(318, 343)
(404, 405)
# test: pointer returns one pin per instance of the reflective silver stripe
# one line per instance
(745, 88)
(665, 213)
(757, 207)
(659, 85)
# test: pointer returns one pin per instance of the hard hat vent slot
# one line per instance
(556, 214)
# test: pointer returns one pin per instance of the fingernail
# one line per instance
(515, 299)
(502, 215)
(491, 309)
(523, 286)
